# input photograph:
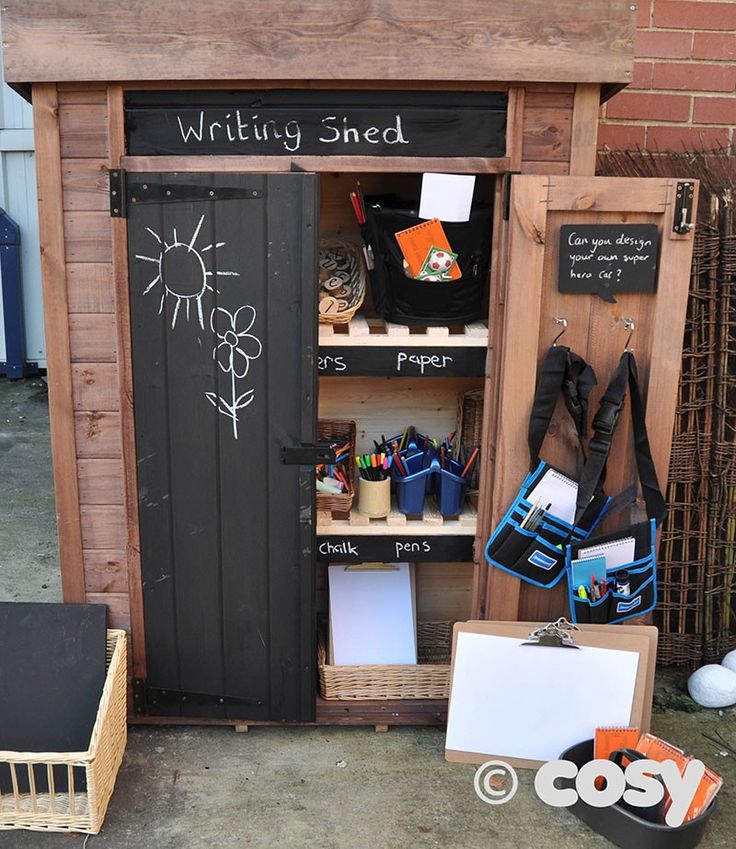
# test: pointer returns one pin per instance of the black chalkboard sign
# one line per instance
(52, 672)
(317, 123)
(604, 259)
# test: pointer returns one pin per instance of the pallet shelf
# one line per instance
(430, 538)
(397, 523)
(376, 332)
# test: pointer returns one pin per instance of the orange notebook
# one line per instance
(659, 750)
(709, 785)
(415, 244)
(608, 740)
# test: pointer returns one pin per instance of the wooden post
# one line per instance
(56, 309)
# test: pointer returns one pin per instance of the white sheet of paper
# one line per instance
(561, 492)
(618, 553)
(372, 615)
(447, 196)
(533, 702)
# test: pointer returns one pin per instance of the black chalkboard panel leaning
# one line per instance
(605, 259)
(52, 671)
(316, 123)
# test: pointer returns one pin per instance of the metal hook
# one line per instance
(563, 322)
(629, 325)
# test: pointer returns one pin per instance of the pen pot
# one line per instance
(451, 488)
(411, 490)
(374, 498)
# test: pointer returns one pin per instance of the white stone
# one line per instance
(713, 686)
(729, 661)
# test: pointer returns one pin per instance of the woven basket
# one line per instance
(342, 263)
(428, 679)
(82, 810)
(469, 428)
(339, 432)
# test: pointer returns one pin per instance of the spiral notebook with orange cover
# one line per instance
(416, 242)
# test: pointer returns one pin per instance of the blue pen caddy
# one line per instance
(613, 606)
(425, 476)
(538, 557)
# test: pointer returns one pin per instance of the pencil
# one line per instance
(469, 463)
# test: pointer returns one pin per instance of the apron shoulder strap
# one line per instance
(564, 372)
(604, 426)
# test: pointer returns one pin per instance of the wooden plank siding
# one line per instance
(93, 346)
(94, 248)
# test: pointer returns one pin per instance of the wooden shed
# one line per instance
(175, 190)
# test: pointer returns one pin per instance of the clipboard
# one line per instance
(640, 640)
(367, 593)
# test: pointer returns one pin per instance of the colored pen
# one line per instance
(469, 463)
(582, 593)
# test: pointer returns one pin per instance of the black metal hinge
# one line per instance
(117, 193)
(123, 195)
(506, 193)
(156, 698)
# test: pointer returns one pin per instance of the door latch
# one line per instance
(306, 455)
(683, 217)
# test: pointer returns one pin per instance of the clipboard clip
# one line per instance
(555, 634)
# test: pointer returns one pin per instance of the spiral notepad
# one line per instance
(558, 491)
(416, 242)
(618, 552)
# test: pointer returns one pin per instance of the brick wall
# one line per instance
(683, 90)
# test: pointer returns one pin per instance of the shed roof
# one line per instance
(412, 40)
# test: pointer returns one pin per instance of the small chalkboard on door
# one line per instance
(606, 259)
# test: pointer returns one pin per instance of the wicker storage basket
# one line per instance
(82, 810)
(428, 679)
(469, 427)
(341, 265)
(340, 432)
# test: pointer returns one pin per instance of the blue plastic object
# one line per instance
(451, 488)
(15, 365)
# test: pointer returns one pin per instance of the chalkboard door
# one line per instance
(222, 291)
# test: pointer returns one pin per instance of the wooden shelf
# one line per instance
(397, 523)
(375, 348)
(375, 332)
(430, 538)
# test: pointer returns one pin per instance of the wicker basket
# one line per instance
(339, 432)
(340, 263)
(469, 427)
(428, 679)
(82, 810)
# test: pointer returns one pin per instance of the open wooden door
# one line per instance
(223, 316)
(527, 304)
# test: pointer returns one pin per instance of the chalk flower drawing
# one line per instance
(182, 272)
(183, 275)
(233, 353)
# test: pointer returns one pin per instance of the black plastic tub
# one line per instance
(625, 829)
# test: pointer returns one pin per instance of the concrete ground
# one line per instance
(293, 787)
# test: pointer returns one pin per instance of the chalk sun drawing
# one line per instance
(182, 272)
(233, 354)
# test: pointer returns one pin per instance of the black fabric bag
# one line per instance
(538, 556)
(641, 598)
(402, 299)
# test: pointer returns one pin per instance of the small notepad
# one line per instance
(561, 492)
(618, 552)
(416, 242)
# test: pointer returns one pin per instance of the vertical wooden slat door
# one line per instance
(222, 271)
(529, 303)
